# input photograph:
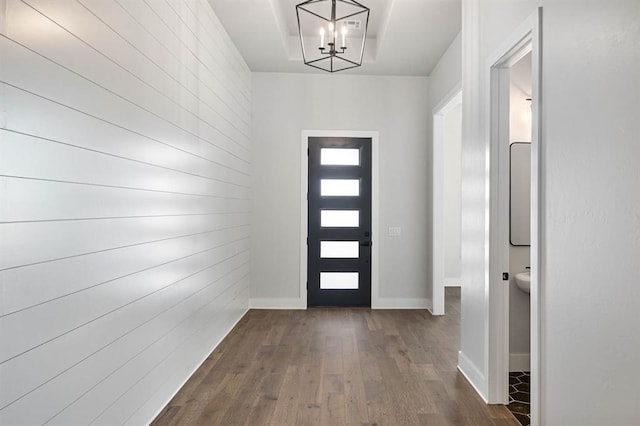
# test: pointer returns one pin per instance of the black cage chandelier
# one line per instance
(332, 33)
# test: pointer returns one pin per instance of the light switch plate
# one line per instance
(394, 231)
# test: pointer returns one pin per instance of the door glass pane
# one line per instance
(339, 218)
(339, 187)
(339, 280)
(339, 157)
(339, 249)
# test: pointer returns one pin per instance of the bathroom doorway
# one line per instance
(510, 109)
(519, 211)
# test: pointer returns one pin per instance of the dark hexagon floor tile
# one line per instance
(521, 397)
(523, 419)
(519, 407)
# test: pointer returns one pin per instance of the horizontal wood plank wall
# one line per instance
(125, 204)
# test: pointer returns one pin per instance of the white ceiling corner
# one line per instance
(405, 37)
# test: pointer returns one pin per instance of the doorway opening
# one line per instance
(519, 213)
(447, 150)
(518, 56)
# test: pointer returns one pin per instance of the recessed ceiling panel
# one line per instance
(405, 37)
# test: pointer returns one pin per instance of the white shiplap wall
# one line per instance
(125, 204)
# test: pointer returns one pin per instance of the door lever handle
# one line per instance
(365, 244)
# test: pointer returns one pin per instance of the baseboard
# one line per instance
(400, 303)
(430, 306)
(380, 303)
(519, 362)
(430, 309)
(473, 375)
(452, 282)
(277, 303)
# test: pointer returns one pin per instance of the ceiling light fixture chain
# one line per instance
(336, 22)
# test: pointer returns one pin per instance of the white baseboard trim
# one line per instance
(380, 303)
(277, 303)
(400, 303)
(452, 282)
(519, 362)
(430, 306)
(435, 315)
(473, 375)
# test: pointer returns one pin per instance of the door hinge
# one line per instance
(307, 285)
(505, 276)
(307, 240)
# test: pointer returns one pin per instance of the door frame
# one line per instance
(304, 184)
(525, 39)
(438, 276)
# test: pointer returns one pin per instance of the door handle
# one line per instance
(365, 244)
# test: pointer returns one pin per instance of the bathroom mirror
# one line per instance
(520, 193)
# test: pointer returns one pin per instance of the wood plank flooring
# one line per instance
(335, 367)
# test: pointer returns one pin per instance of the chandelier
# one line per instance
(332, 33)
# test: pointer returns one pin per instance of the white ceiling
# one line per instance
(406, 37)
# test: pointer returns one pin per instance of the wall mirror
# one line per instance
(520, 194)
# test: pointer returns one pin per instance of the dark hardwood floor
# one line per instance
(335, 367)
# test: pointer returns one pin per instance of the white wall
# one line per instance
(286, 104)
(124, 234)
(590, 198)
(452, 177)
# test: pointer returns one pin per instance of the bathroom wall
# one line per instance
(519, 302)
(125, 197)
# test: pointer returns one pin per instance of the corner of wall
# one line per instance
(473, 375)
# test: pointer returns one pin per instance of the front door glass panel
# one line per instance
(339, 249)
(338, 280)
(339, 218)
(339, 157)
(339, 187)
